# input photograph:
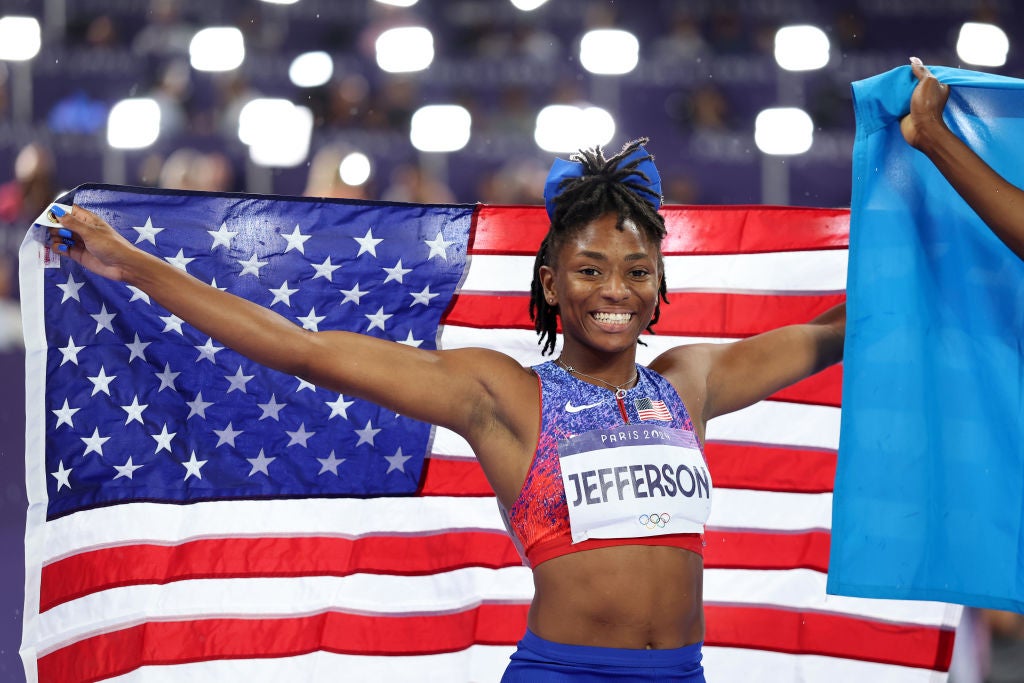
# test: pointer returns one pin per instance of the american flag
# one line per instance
(195, 517)
(649, 409)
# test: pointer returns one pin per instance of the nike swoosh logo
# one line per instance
(570, 408)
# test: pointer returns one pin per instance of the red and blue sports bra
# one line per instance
(611, 471)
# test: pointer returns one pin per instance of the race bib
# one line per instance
(632, 481)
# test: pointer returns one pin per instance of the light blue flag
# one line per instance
(929, 493)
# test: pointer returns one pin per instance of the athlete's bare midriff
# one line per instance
(633, 597)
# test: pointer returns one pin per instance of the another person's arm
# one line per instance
(998, 203)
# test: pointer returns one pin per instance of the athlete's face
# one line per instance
(605, 283)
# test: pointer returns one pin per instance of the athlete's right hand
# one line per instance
(92, 243)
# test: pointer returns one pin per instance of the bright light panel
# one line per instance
(133, 123)
(982, 44)
(279, 139)
(801, 48)
(566, 128)
(404, 49)
(609, 51)
(281, 2)
(527, 5)
(19, 38)
(311, 69)
(218, 48)
(783, 131)
(398, 3)
(259, 117)
(355, 169)
(440, 128)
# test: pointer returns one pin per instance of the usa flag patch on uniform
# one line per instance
(652, 410)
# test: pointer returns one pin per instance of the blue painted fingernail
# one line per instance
(57, 211)
(62, 247)
(64, 232)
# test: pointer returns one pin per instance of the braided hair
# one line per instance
(605, 187)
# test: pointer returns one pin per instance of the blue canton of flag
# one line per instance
(143, 407)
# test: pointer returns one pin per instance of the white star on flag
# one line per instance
(312, 320)
(64, 414)
(283, 294)
(325, 269)
(137, 349)
(295, 240)
(101, 382)
(172, 322)
(397, 461)
(366, 434)
(304, 384)
(377, 319)
(137, 294)
(62, 476)
(271, 409)
(179, 260)
(147, 233)
(396, 273)
(198, 406)
(422, 297)
(167, 378)
(207, 351)
(238, 381)
(330, 464)
(222, 236)
(192, 467)
(126, 470)
(163, 439)
(226, 435)
(251, 266)
(104, 320)
(438, 246)
(70, 352)
(134, 410)
(353, 295)
(299, 437)
(94, 443)
(410, 341)
(70, 289)
(368, 243)
(339, 407)
(260, 464)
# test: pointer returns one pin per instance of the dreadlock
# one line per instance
(605, 187)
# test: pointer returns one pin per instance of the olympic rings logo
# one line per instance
(655, 521)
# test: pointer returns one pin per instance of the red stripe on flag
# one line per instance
(232, 558)
(802, 632)
(196, 640)
(823, 389)
(768, 468)
(96, 570)
(733, 466)
(519, 230)
(692, 314)
(179, 642)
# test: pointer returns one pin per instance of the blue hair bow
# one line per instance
(562, 170)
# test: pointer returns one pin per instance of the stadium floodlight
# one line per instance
(277, 134)
(311, 69)
(783, 131)
(217, 48)
(982, 44)
(398, 3)
(404, 49)
(20, 38)
(355, 169)
(567, 128)
(609, 51)
(133, 123)
(801, 48)
(528, 5)
(440, 128)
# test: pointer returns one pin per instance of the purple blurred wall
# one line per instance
(13, 503)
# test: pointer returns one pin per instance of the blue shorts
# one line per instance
(542, 661)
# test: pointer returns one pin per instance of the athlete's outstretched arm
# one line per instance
(999, 203)
(467, 390)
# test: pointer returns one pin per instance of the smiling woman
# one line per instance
(597, 460)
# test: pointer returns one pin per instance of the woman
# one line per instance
(572, 481)
(998, 203)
